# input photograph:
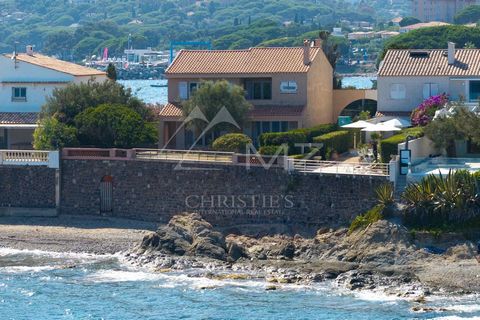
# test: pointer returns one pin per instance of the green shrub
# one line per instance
(116, 126)
(317, 130)
(371, 216)
(389, 146)
(279, 138)
(339, 141)
(232, 142)
(272, 150)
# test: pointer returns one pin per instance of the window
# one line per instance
(474, 91)
(430, 90)
(186, 89)
(398, 91)
(19, 94)
(260, 127)
(183, 90)
(192, 87)
(258, 89)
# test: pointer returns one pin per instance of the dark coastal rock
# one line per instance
(188, 234)
(235, 251)
(283, 249)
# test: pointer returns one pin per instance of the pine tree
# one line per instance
(112, 72)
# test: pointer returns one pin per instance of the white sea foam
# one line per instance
(121, 276)
(26, 269)
(377, 295)
(9, 251)
(464, 308)
(456, 318)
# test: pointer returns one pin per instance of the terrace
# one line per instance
(229, 158)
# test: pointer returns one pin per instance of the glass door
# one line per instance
(3, 138)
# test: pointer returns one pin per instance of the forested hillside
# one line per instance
(75, 29)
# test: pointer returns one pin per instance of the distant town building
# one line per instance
(26, 80)
(361, 35)
(337, 32)
(439, 10)
(422, 25)
(146, 56)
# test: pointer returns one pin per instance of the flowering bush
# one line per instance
(425, 112)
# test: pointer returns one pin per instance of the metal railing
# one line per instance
(184, 155)
(335, 167)
(29, 157)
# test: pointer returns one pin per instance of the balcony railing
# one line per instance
(29, 158)
(184, 155)
(335, 167)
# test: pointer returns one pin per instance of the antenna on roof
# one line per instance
(15, 54)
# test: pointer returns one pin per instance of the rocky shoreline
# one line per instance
(385, 256)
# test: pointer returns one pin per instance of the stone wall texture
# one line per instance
(225, 195)
(27, 187)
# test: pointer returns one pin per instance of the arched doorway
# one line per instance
(106, 194)
(354, 109)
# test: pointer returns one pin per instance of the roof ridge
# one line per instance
(243, 50)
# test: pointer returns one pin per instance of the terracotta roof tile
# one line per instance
(171, 111)
(275, 112)
(58, 65)
(402, 63)
(18, 117)
(249, 61)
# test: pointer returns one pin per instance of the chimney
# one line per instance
(30, 50)
(306, 52)
(318, 43)
(451, 53)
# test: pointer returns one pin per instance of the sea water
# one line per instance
(143, 90)
(47, 285)
(159, 95)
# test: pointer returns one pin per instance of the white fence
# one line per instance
(29, 158)
(334, 167)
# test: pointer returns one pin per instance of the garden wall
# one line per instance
(226, 195)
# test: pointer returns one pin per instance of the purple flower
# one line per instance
(424, 113)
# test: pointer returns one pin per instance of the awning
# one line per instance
(271, 113)
(18, 118)
(18, 126)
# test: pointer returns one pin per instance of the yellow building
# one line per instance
(289, 88)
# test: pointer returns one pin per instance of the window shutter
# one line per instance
(426, 91)
(183, 90)
(397, 91)
(434, 90)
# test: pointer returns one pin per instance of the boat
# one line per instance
(159, 85)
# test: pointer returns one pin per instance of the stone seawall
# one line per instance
(27, 187)
(225, 195)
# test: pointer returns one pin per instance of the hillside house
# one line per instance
(288, 87)
(26, 80)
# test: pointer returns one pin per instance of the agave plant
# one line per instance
(443, 199)
(385, 195)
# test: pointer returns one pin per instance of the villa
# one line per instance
(407, 77)
(26, 80)
(289, 88)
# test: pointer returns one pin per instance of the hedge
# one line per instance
(232, 142)
(297, 135)
(389, 147)
(339, 141)
(279, 138)
(317, 130)
(270, 150)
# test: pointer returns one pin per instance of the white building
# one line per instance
(26, 81)
(407, 77)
